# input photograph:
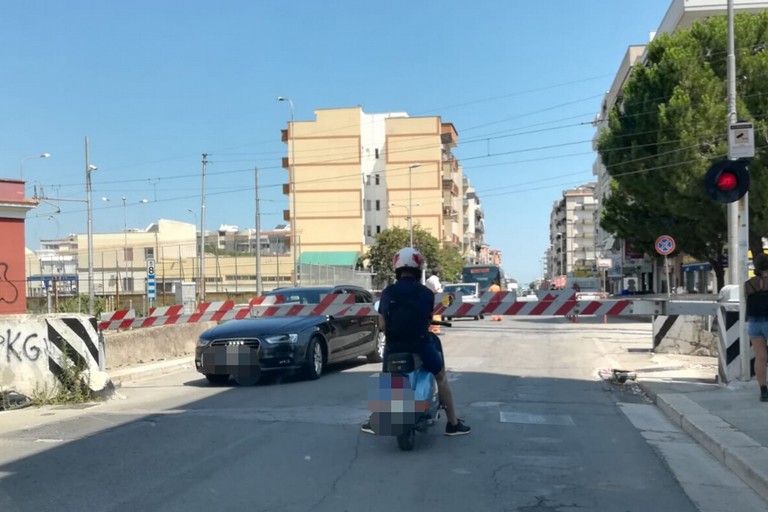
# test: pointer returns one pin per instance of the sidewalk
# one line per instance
(728, 420)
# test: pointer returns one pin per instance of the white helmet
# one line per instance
(408, 258)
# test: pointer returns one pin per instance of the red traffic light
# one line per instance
(727, 181)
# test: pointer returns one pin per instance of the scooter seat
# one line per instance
(403, 362)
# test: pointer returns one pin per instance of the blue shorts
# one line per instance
(431, 354)
(757, 326)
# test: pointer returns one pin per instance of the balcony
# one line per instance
(287, 215)
(479, 214)
(286, 189)
(448, 135)
(450, 184)
(466, 222)
(286, 164)
(284, 135)
(450, 211)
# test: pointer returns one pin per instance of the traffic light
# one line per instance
(727, 181)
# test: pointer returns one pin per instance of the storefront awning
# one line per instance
(697, 267)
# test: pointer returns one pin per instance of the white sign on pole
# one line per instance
(741, 141)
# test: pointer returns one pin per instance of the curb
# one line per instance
(747, 458)
(150, 370)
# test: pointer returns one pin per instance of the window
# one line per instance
(378, 205)
(377, 153)
(367, 179)
(378, 181)
(128, 254)
(149, 253)
(367, 205)
(378, 229)
(368, 230)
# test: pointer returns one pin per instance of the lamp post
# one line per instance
(21, 165)
(294, 228)
(89, 168)
(193, 269)
(410, 198)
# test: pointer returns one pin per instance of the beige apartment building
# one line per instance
(357, 174)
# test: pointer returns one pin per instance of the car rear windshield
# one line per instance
(299, 296)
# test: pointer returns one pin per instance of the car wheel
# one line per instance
(377, 355)
(476, 318)
(215, 378)
(314, 359)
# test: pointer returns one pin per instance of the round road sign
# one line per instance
(665, 245)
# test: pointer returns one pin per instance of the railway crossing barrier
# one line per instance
(565, 303)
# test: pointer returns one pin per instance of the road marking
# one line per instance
(536, 419)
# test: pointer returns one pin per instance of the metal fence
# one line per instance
(321, 275)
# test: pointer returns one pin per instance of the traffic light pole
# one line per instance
(738, 214)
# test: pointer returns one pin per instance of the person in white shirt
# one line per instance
(433, 283)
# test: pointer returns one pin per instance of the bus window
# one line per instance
(484, 276)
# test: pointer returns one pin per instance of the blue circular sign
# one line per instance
(665, 245)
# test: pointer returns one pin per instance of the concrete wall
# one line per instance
(34, 349)
(139, 346)
(684, 334)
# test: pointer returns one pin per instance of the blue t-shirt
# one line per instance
(423, 299)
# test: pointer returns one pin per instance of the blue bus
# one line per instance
(484, 276)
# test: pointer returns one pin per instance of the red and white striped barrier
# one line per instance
(554, 303)
(118, 315)
(174, 310)
(331, 304)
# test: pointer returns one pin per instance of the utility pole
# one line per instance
(738, 213)
(259, 285)
(201, 273)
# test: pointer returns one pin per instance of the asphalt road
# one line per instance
(547, 436)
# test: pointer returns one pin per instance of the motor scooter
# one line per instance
(403, 399)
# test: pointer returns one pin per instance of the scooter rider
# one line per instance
(408, 263)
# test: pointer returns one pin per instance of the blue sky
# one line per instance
(156, 84)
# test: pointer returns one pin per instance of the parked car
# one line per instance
(469, 292)
(244, 349)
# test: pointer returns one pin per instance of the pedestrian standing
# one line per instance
(433, 283)
(756, 292)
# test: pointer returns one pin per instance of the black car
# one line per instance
(244, 349)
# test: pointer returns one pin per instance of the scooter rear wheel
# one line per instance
(406, 440)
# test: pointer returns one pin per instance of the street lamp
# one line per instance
(89, 168)
(410, 196)
(294, 228)
(200, 261)
(21, 165)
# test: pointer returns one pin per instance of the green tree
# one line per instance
(390, 241)
(670, 125)
(451, 263)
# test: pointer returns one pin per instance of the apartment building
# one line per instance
(572, 234)
(629, 264)
(355, 175)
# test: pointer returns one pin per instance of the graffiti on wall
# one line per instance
(37, 351)
(8, 292)
(16, 346)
